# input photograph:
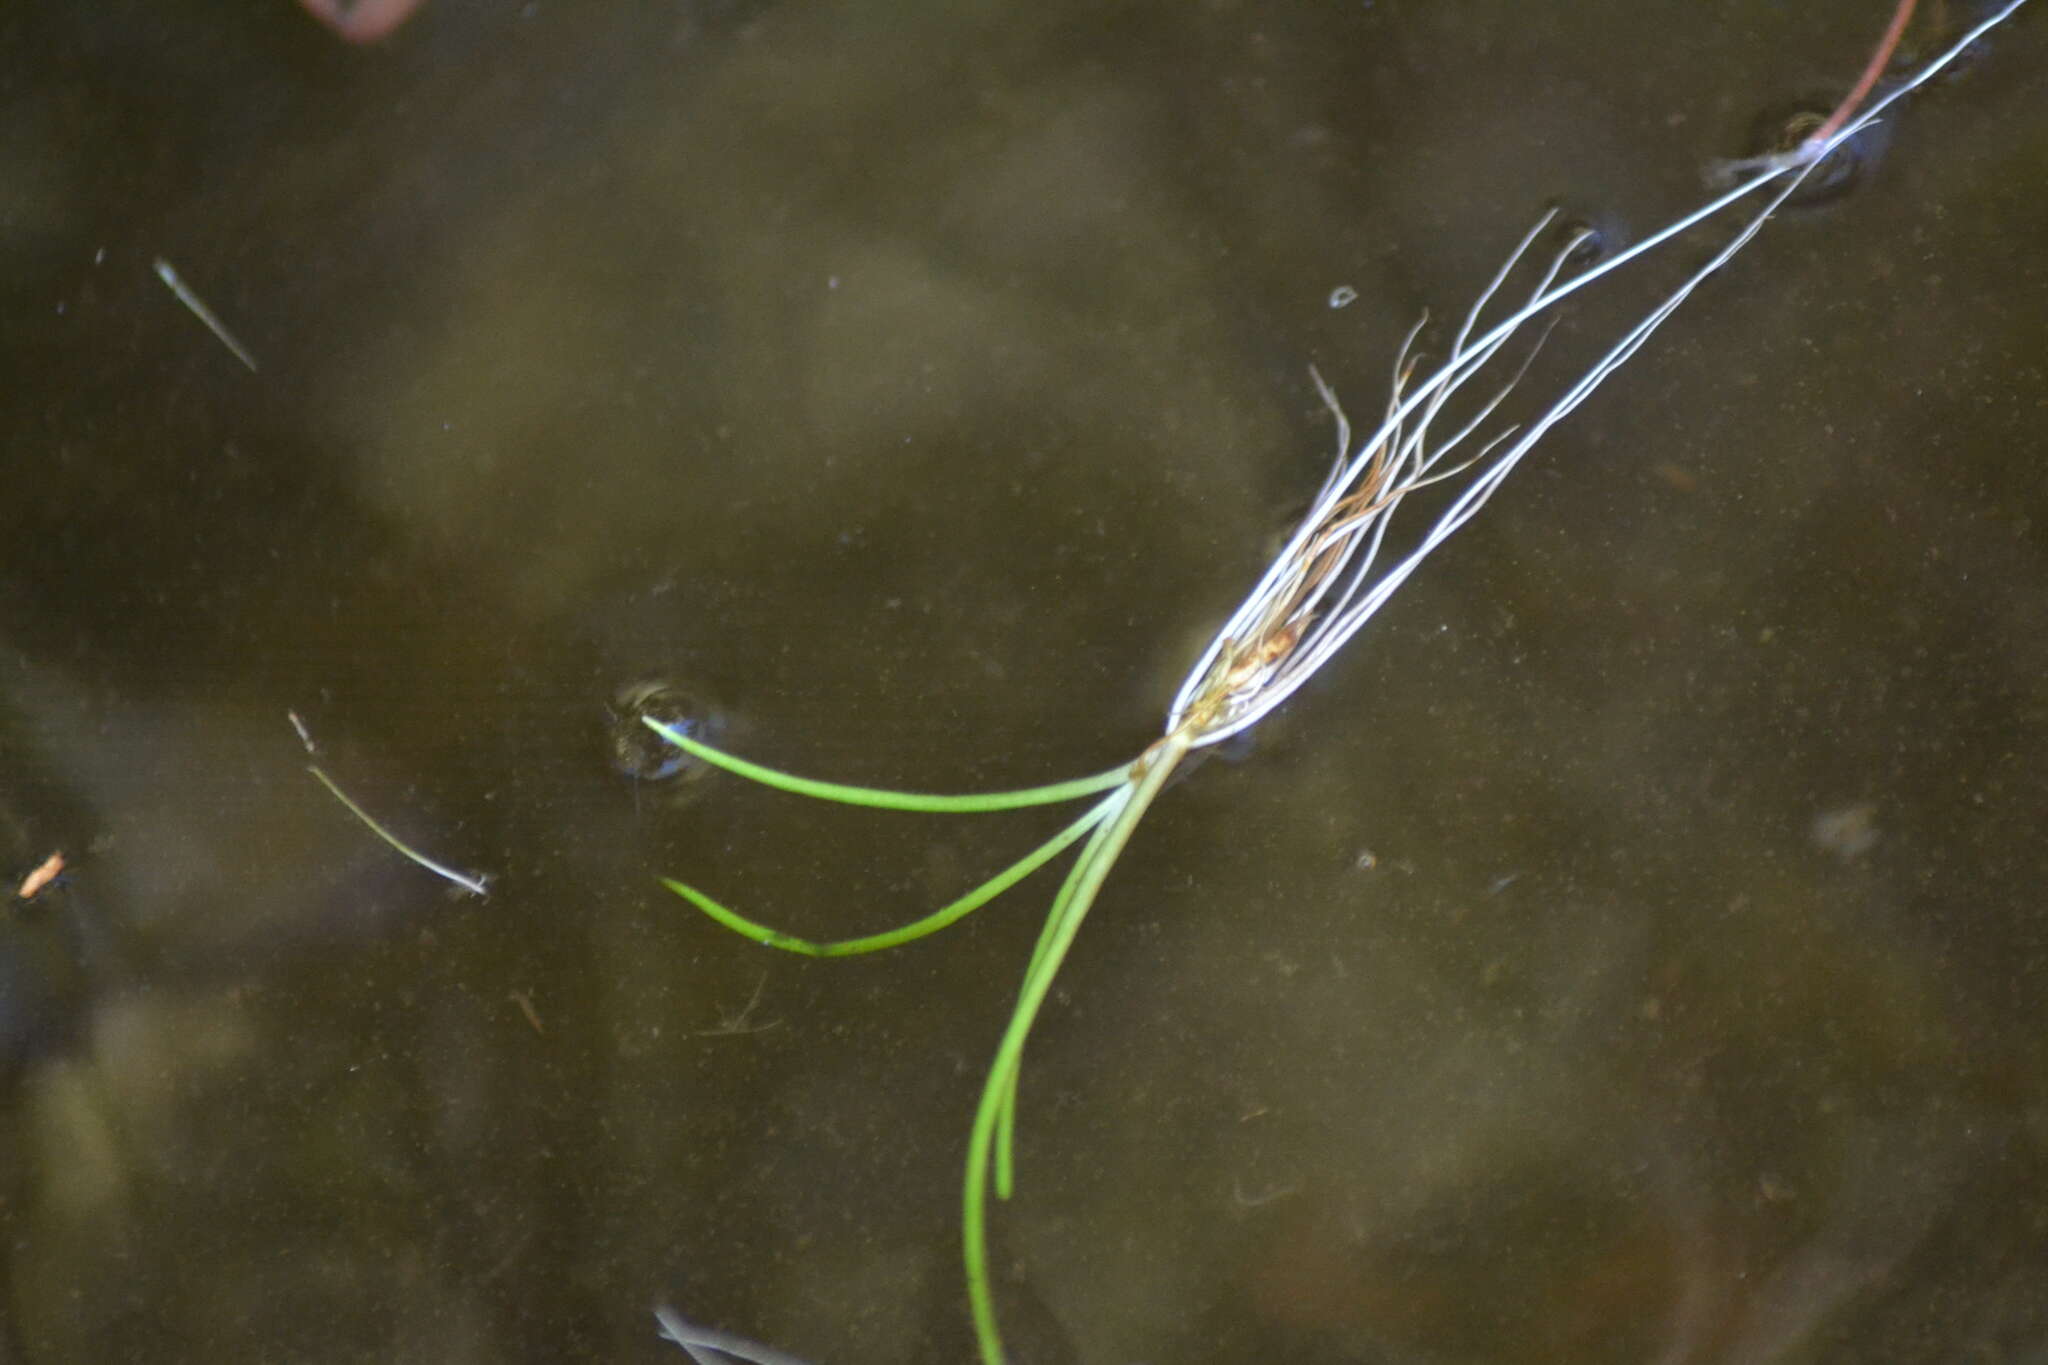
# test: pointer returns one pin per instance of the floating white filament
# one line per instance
(166, 273)
(475, 883)
(1320, 589)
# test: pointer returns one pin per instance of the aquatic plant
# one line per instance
(1333, 575)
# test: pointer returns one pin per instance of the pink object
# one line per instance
(360, 21)
(1875, 68)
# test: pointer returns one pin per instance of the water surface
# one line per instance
(921, 383)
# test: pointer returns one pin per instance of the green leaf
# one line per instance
(916, 929)
(881, 798)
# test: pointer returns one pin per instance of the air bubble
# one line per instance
(639, 753)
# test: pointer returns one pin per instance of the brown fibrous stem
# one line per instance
(1859, 92)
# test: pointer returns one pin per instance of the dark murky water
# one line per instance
(922, 382)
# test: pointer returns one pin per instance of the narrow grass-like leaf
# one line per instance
(882, 798)
(988, 1142)
(916, 929)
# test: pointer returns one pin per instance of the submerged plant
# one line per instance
(1321, 589)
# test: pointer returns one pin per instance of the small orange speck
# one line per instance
(41, 877)
(525, 1002)
(1683, 480)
